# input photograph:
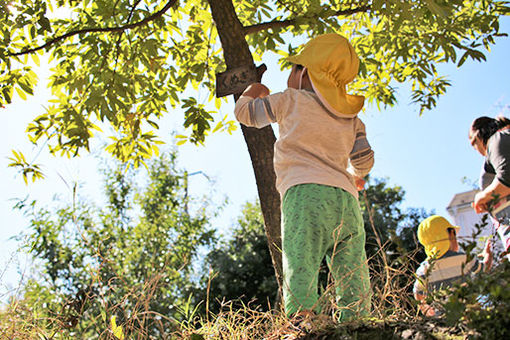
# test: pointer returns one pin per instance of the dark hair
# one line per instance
(452, 230)
(485, 127)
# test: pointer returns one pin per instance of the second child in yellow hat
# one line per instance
(321, 157)
(445, 263)
(437, 236)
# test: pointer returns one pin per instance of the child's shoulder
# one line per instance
(295, 96)
(295, 92)
(301, 95)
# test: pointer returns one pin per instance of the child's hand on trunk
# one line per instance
(256, 90)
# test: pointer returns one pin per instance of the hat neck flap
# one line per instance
(329, 107)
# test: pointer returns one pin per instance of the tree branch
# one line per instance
(135, 4)
(53, 41)
(290, 22)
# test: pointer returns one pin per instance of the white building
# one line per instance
(464, 216)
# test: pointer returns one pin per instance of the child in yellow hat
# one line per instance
(320, 158)
(445, 264)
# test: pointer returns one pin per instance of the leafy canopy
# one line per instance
(122, 65)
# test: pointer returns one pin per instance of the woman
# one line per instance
(491, 138)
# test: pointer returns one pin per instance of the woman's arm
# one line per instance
(498, 156)
(495, 190)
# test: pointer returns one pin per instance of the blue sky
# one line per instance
(428, 155)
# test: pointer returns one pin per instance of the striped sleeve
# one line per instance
(444, 272)
(254, 112)
(362, 155)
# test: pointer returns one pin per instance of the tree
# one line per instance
(129, 262)
(124, 64)
(236, 271)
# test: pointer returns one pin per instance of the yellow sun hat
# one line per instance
(332, 63)
(433, 235)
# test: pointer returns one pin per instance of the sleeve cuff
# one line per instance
(504, 182)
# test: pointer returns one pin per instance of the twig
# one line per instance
(135, 4)
(290, 22)
(53, 41)
(379, 243)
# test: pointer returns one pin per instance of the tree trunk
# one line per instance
(260, 142)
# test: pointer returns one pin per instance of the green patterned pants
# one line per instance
(322, 221)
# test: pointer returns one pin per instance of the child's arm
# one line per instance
(423, 306)
(420, 293)
(361, 157)
(253, 107)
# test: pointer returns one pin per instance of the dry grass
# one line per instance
(28, 319)
(24, 319)
(248, 323)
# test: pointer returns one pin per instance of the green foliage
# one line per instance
(29, 317)
(485, 303)
(478, 302)
(120, 269)
(386, 223)
(240, 270)
(27, 169)
(198, 118)
(127, 64)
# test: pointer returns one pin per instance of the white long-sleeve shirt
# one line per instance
(315, 145)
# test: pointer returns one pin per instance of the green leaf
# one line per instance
(116, 330)
(35, 58)
(218, 127)
(463, 59)
(45, 24)
(147, 68)
(21, 93)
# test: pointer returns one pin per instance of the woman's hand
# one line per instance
(495, 190)
(486, 256)
(480, 202)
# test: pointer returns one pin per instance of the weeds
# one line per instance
(100, 313)
(31, 317)
(116, 291)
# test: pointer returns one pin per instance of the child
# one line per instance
(320, 158)
(445, 264)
